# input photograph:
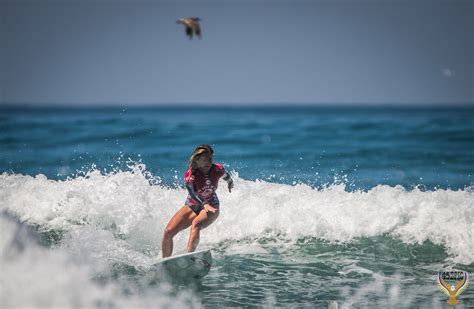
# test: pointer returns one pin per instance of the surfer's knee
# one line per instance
(169, 233)
(196, 225)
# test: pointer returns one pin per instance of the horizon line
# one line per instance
(79, 105)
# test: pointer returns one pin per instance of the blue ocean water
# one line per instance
(332, 206)
(361, 146)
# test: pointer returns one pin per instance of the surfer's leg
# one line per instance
(181, 220)
(203, 220)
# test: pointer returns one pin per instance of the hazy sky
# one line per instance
(133, 52)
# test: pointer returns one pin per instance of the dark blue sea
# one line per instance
(339, 207)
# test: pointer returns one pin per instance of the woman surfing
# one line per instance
(201, 208)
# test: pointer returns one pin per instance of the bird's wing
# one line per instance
(195, 19)
(462, 285)
(197, 29)
(443, 285)
(189, 31)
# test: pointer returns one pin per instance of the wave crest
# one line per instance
(127, 204)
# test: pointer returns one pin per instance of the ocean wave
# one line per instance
(34, 276)
(123, 206)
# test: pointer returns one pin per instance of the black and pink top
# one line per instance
(202, 187)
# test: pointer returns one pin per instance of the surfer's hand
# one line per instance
(230, 185)
(209, 208)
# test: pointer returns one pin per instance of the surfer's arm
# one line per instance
(230, 182)
(192, 193)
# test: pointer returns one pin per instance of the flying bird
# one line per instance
(192, 26)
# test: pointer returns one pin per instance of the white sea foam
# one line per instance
(35, 277)
(95, 208)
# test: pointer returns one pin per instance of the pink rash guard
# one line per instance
(202, 187)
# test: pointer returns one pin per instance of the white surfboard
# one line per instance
(193, 265)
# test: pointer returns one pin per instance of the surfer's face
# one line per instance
(204, 162)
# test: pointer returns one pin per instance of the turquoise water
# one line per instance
(363, 146)
(360, 206)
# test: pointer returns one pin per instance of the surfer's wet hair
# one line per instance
(200, 150)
